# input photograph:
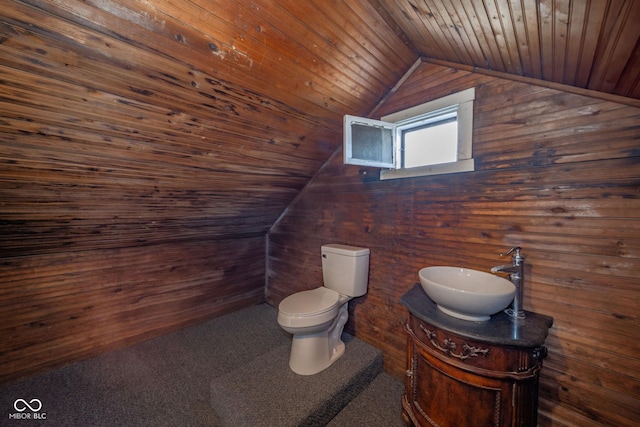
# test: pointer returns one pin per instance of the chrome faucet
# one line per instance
(516, 275)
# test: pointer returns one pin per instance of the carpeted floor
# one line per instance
(231, 371)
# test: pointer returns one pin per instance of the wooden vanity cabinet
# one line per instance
(458, 377)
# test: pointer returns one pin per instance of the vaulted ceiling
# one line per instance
(588, 44)
(151, 120)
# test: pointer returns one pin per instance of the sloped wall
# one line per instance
(556, 173)
(146, 148)
(123, 212)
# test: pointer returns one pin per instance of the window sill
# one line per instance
(467, 165)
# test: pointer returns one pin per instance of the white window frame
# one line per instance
(414, 116)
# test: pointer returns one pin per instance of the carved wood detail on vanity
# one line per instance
(449, 346)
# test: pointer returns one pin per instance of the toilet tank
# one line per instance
(345, 269)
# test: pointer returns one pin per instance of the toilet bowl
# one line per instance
(316, 317)
(308, 311)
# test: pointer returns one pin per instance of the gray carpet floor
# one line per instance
(231, 371)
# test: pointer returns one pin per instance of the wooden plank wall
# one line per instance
(136, 184)
(556, 173)
(111, 215)
(63, 307)
(169, 133)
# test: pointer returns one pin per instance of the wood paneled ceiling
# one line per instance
(592, 44)
(147, 121)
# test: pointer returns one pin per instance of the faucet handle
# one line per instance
(517, 249)
(517, 257)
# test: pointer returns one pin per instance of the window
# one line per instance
(428, 139)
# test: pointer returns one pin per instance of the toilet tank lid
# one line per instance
(347, 250)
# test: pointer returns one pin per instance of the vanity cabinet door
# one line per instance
(445, 388)
(441, 395)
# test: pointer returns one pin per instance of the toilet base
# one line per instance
(313, 353)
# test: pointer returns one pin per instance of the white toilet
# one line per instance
(317, 317)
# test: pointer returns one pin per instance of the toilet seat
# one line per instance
(309, 308)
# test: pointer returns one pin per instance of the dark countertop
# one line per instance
(500, 329)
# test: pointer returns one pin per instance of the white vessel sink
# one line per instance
(466, 294)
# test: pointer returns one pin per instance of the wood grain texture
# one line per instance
(588, 44)
(147, 147)
(556, 173)
(143, 123)
(60, 308)
(137, 135)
